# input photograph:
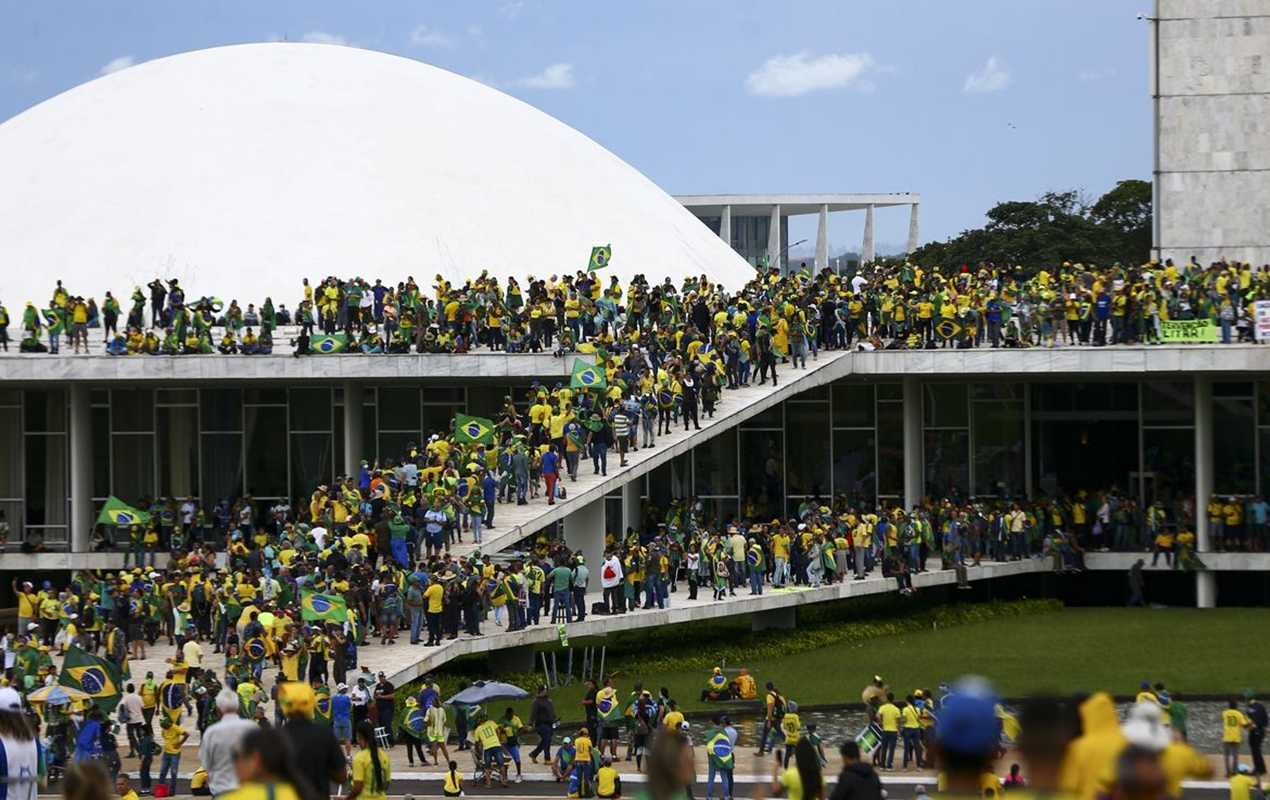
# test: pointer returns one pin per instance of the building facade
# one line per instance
(878, 440)
(1211, 91)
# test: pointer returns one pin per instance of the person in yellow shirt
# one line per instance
(673, 718)
(792, 728)
(1242, 784)
(1233, 723)
(173, 739)
(911, 732)
(889, 718)
(372, 770)
(487, 737)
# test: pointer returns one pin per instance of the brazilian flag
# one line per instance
(322, 607)
(947, 329)
(324, 345)
(322, 706)
(96, 676)
(587, 376)
(606, 703)
(416, 722)
(473, 430)
(255, 649)
(118, 513)
(601, 255)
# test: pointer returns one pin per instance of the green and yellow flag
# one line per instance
(118, 513)
(587, 376)
(473, 430)
(316, 607)
(325, 345)
(93, 675)
(601, 255)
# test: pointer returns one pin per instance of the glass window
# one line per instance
(178, 451)
(131, 410)
(718, 512)
(996, 391)
(177, 396)
(310, 462)
(444, 394)
(714, 465)
(398, 409)
(945, 405)
(311, 409)
(670, 481)
(221, 462)
(45, 411)
(1263, 400)
(807, 464)
(265, 437)
(999, 449)
(762, 466)
(132, 467)
(891, 449)
(338, 436)
(890, 391)
(854, 463)
(101, 451)
(486, 401)
(1234, 468)
(268, 395)
(439, 419)
(1168, 403)
(1168, 459)
(947, 457)
(852, 405)
(11, 448)
(394, 447)
(820, 392)
(222, 410)
(1232, 389)
(770, 418)
(46, 480)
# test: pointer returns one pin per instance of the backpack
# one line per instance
(778, 708)
(124, 719)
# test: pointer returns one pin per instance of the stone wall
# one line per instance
(1213, 191)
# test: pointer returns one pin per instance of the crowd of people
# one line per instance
(883, 305)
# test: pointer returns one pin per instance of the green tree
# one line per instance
(1054, 228)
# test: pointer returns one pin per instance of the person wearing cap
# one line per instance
(323, 759)
(1244, 785)
(967, 740)
(342, 718)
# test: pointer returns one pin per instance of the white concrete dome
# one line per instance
(242, 169)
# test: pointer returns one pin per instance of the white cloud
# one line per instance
(116, 64)
(511, 9)
(800, 73)
(991, 77)
(556, 76)
(322, 37)
(423, 36)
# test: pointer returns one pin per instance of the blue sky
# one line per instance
(967, 102)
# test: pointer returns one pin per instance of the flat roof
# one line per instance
(1039, 362)
(760, 205)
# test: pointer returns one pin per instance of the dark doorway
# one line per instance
(1085, 454)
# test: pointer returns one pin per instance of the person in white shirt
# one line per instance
(220, 743)
(611, 582)
(131, 712)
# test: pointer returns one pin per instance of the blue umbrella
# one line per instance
(484, 691)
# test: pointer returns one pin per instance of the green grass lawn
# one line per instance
(1068, 651)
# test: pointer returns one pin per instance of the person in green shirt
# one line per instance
(561, 589)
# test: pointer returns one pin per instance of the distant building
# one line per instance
(1210, 80)
(757, 225)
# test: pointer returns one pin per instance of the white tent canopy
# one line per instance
(241, 170)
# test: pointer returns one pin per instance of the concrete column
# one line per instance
(1205, 581)
(354, 447)
(776, 619)
(584, 530)
(631, 505)
(913, 488)
(866, 248)
(725, 226)
(822, 239)
(774, 238)
(81, 458)
(913, 227)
